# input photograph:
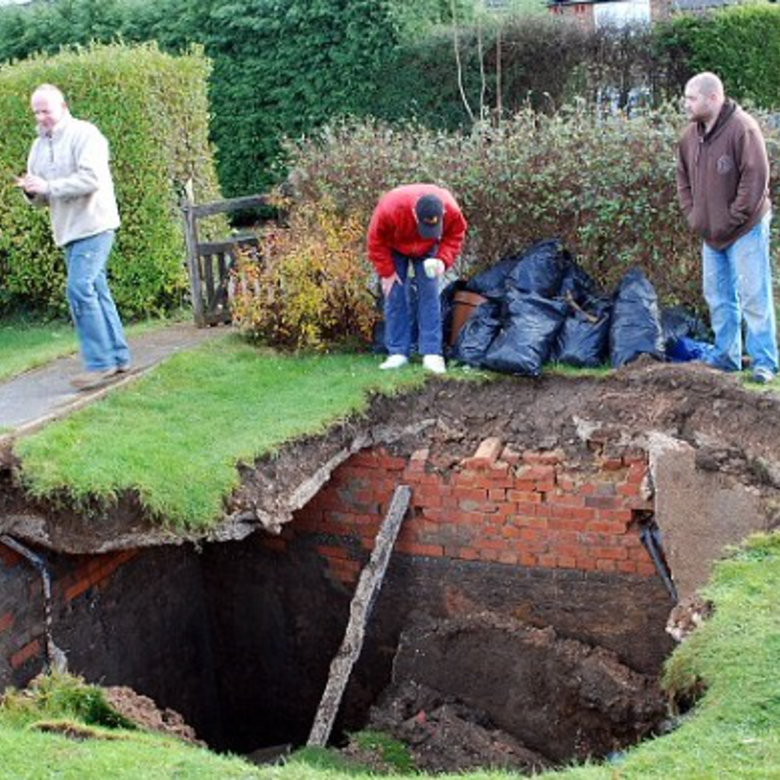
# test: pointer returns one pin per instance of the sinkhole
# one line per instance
(553, 526)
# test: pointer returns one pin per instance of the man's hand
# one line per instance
(433, 267)
(387, 284)
(33, 185)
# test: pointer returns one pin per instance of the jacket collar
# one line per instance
(59, 128)
(727, 111)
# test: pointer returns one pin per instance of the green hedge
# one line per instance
(153, 109)
(605, 184)
(740, 43)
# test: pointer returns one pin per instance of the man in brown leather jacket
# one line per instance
(723, 187)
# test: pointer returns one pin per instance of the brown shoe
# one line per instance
(91, 380)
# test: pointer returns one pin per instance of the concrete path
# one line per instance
(39, 396)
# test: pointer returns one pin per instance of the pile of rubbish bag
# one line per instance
(540, 307)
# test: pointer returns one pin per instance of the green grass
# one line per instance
(734, 732)
(176, 435)
(28, 344)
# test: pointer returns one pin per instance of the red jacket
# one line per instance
(394, 228)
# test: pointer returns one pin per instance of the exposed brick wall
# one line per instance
(21, 603)
(528, 509)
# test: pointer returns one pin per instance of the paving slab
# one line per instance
(45, 393)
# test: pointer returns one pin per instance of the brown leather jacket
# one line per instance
(723, 176)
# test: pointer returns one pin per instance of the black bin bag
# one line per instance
(531, 324)
(541, 269)
(492, 280)
(584, 337)
(477, 335)
(636, 327)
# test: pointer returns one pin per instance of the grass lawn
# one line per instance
(734, 732)
(25, 344)
(176, 435)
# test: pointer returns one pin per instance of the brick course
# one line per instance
(526, 509)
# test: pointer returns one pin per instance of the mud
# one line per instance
(558, 698)
(145, 714)
(732, 429)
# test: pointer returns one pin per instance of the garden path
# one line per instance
(36, 397)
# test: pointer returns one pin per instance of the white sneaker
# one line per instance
(394, 361)
(434, 363)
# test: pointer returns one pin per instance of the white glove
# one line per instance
(433, 267)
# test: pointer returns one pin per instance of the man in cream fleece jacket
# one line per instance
(68, 172)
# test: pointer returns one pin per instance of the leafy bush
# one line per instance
(604, 184)
(152, 108)
(310, 288)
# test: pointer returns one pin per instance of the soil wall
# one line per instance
(238, 636)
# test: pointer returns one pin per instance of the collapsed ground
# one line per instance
(733, 433)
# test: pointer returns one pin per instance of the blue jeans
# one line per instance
(398, 323)
(98, 327)
(738, 284)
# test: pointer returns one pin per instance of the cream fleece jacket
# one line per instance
(74, 162)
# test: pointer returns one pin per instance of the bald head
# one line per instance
(704, 98)
(49, 106)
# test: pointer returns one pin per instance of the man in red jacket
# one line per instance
(723, 187)
(416, 232)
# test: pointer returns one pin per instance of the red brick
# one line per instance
(603, 502)
(567, 524)
(627, 567)
(537, 473)
(507, 556)
(611, 553)
(612, 464)
(6, 621)
(527, 521)
(619, 516)
(526, 559)
(636, 473)
(428, 550)
(566, 499)
(76, 590)
(426, 495)
(646, 569)
(30, 650)
(628, 489)
(605, 565)
(366, 459)
(548, 561)
(486, 454)
(607, 527)
(468, 554)
(566, 562)
(470, 493)
(488, 555)
(639, 554)
(526, 496)
(390, 463)
(497, 494)
(586, 564)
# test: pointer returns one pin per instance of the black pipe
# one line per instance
(651, 539)
(55, 658)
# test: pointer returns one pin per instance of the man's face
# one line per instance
(699, 107)
(48, 109)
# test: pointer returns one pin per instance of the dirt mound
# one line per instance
(446, 735)
(142, 711)
(557, 698)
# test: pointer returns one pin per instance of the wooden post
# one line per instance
(193, 262)
(366, 592)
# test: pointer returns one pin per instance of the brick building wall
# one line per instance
(517, 508)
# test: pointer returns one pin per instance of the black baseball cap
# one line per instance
(429, 211)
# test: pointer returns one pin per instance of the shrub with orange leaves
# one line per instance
(309, 287)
